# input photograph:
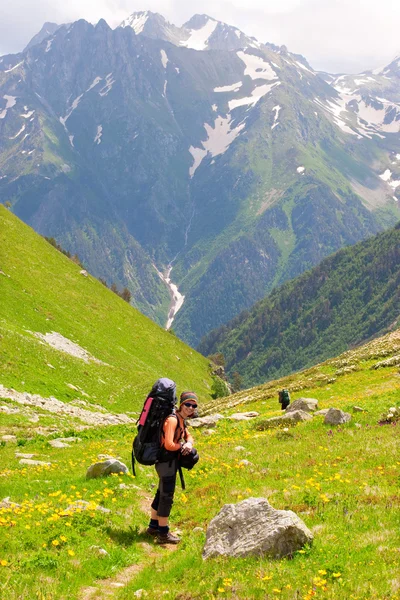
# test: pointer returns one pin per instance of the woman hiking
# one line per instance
(175, 440)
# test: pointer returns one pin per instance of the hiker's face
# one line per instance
(188, 408)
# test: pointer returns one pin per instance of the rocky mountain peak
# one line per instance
(47, 30)
(198, 21)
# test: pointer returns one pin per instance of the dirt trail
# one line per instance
(107, 588)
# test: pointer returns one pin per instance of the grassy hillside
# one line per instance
(342, 482)
(348, 298)
(42, 291)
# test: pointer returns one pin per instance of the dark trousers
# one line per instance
(164, 497)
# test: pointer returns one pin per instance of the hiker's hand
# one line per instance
(187, 448)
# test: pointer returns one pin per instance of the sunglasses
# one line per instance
(190, 405)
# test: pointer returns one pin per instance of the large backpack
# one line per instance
(284, 398)
(159, 404)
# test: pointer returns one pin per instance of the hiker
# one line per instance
(175, 440)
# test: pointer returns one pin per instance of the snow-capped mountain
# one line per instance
(199, 33)
(197, 147)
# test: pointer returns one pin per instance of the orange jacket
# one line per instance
(175, 431)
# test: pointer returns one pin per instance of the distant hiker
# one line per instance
(284, 398)
(176, 442)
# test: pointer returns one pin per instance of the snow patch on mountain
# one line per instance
(137, 21)
(300, 170)
(71, 109)
(300, 64)
(15, 67)
(17, 134)
(219, 138)
(229, 88)
(94, 83)
(198, 38)
(386, 176)
(164, 58)
(256, 94)
(10, 102)
(256, 67)
(28, 114)
(108, 86)
(276, 109)
(97, 139)
(49, 45)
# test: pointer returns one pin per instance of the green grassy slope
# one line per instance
(42, 291)
(348, 298)
(342, 482)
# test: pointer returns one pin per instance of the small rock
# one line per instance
(6, 503)
(50, 366)
(9, 438)
(240, 448)
(335, 416)
(209, 432)
(21, 455)
(321, 412)
(34, 463)
(103, 469)
(83, 272)
(8, 410)
(358, 425)
(359, 409)
(246, 416)
(72, 387)
(80, 505)
(198, 530)
(245, 463)
(140, 593)
(64, 442)
(99, 551)
(34, 419)
(58, 444)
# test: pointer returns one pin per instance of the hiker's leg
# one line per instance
(167, 474)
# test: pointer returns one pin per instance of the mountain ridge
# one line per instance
(132, 146)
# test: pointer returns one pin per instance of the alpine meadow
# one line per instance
(199, 251)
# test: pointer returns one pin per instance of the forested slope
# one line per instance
(350, 297)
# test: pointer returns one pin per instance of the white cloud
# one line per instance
(334, 35)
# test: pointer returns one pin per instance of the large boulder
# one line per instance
(290, 418)
(254, 527)
(306, 404)
(335, 416)
(207, 421)
(103, 469)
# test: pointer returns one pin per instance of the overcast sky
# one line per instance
(334, 35)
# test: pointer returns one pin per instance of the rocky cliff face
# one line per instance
(151, 145)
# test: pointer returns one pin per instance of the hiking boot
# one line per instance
(167, 538)
(153, 531)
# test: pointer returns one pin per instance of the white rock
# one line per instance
(254, 527)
